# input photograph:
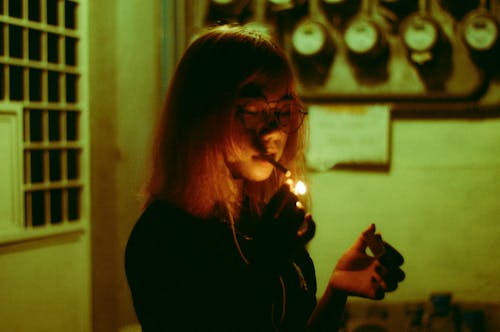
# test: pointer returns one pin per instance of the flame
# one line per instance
(300, 188)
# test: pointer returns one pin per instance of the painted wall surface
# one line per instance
(125, 97)
(438, 204)
(44, 285)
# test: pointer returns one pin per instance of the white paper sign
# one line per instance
(353, 134)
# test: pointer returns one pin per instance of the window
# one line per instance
(42, 118)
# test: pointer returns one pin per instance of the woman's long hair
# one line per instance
(194, 130)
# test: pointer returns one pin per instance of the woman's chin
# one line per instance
(260, 173)
(254, 170)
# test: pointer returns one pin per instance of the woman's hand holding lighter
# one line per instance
(360, 274)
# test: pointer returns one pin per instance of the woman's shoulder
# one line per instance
(161, 210)
(155, 217)
(160, 231)
(161, 219)
(163, 225)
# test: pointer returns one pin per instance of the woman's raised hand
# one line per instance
(360, 274)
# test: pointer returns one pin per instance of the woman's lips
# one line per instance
(265, 157)
(270, 158)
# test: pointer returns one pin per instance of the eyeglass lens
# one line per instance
(285, 113)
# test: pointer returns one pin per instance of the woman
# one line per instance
(220, 245)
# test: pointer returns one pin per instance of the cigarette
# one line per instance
(374, 243)
(276, 164)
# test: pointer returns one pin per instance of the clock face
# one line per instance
(281, 2)
(309, 38)
(283, 5)
(420, 34)
(480, 32)
(361, 36)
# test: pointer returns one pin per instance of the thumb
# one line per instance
(361, 244)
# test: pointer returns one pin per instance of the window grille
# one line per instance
(42, 116)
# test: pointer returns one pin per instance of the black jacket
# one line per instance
(186, 274)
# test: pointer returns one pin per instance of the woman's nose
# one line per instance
(266, 135)
(268, 123)
(270, 133)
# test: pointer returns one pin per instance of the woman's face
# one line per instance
(260, 115)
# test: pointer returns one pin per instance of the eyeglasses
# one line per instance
(286, 114)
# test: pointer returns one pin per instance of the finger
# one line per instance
(391, 256)
(378, 292)
(397, 274)
(391, 271)
(381, 270)
(360, 244)
(293, 219)
(391, 283)
(304, 227)
(391, 286)
(369, 229)
(280, 195)
(390, 278)
(287, 204)
(379, 281)
(393, 278)
(401, 275)
(307, 230)
(390, 267)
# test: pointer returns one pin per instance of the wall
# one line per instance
(125, 96)
(438, 204)
(44, 285)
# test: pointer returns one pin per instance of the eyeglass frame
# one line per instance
(268, 110)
